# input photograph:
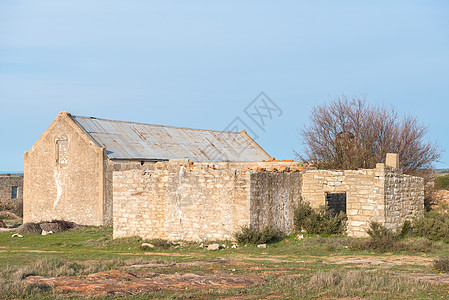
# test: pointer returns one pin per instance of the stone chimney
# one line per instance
(392, 160)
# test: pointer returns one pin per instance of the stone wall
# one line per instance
(364, 194)
(7, 182)
(274, 197)
(111, 166)
(64, 176)
(177, 200)
(382, 195)
(203, 201)
(404, 198)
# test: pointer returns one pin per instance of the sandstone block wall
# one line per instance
(179, 201)
(364, 194)
(203, 201)
(6, 184)
(382, 195)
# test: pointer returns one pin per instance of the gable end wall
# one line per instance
(72, 192)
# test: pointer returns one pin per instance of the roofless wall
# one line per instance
(180, 200)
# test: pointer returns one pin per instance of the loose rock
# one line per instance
(212, 247)
(263, 246)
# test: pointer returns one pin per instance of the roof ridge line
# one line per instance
(156, 125)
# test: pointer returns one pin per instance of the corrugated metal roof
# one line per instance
(137, 141)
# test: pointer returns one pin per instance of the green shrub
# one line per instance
(406, 228)
(442, 182)
(248, 235)
(434, 226)
(441, 265)
(382, 240)
(321, 221)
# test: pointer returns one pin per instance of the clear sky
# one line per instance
(199, 64)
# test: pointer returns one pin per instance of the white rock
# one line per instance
(263, 246)
(212, 247)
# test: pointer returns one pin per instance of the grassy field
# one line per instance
(313, 267)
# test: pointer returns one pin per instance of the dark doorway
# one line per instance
(336, 202)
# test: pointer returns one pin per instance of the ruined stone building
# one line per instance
(11, 190)
(179, 183)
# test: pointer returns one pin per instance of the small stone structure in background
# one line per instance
(11, 190)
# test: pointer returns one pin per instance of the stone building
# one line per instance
(11, 190)
(178, 183)
(69, 170)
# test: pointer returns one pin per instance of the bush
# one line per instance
(442, 182)
(406, 228)
(30, 228)
(382, 240)
(434, 226)
(248, 235)
(18, 208)
(57, 226)
(441, 265)
(321, 221)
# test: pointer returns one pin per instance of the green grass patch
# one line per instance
(310, 267)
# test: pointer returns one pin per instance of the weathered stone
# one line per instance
(213, 247)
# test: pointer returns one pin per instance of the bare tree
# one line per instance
(351, 134)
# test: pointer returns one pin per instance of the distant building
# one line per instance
(11, 190)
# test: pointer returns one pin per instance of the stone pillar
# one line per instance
(392, 160)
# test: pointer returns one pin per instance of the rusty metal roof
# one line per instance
(137, 141)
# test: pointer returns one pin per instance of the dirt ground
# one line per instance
(128, 283)
(137, 278)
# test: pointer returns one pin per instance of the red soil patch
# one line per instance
(125, 283)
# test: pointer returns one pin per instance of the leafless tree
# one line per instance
(350, 134)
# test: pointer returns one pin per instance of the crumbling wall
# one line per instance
(7, 182)
(111, 166)
(382, 195)
(177, 200)
(364, 194)
(404, 198)
(274, 197)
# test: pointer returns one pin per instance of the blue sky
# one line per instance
(200, 63)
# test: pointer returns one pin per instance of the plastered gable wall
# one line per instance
(6, 184)
(173, 200)
(73, 191)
